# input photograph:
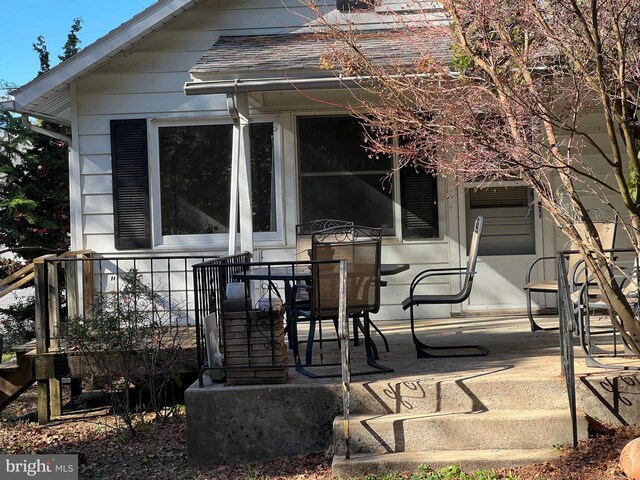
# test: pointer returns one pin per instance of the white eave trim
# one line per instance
(8, 104)
(105, 48)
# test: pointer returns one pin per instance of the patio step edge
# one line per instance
(467, 460)
(458, 431)
(425, 395)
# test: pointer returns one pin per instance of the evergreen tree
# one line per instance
(43, 55)
(72, 45)
(34, 198)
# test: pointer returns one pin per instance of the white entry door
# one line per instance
(511, 240)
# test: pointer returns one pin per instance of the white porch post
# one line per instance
(240, 201)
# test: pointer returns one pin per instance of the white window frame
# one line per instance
(211, 240)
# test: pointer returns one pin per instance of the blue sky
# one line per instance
(22, 21)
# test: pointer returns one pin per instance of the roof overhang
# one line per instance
(305, 60)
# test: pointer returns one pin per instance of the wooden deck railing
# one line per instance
(16, 280)
(168, 279)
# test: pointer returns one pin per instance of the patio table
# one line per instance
(294, 275)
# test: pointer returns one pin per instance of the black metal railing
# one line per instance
(567, 331)
(240, 312)
(267, 286)
(210, 279)
(580, 300)
(67, 286)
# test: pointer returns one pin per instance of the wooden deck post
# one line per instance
(79, 282)
(42, 332)
(87, 282)
(73, 293)
(53, 305)
(53, 298)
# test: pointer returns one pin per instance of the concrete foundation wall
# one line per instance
(234, 425)
(612, 397)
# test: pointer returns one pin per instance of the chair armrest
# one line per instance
(429, 272)
(437, 272)
(527, 277)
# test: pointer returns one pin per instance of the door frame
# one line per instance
(543, 235)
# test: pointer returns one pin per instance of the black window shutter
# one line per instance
(354, 5)
(129, 162)
(419, 197)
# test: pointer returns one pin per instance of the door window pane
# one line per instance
(509, 223)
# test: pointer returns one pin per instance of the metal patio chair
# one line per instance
(588, 302)
(575, 269)
(303, 249)
(414, 299)
(306, 229)
(360, 247)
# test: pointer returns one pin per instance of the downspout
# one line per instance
(44, 131)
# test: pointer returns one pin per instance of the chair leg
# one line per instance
(384, 339)
(310, 337)
(428, 351)
(371, 349)
(370, 346)
(533, 324)
(293, 339)
(356, 338)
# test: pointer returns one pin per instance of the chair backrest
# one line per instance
(304, 231)
(360, 247)
(607, 234)
(472, 260)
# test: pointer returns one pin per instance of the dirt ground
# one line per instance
(158, 451)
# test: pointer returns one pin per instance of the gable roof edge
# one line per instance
(102, 50)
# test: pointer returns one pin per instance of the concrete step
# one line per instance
(512, 429)
(475, 393)
(468, 460)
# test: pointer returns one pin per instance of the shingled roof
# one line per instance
(302, 52)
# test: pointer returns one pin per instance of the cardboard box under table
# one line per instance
(255, 351)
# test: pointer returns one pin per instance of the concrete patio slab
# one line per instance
(237, 424)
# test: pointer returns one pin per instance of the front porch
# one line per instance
(507, 408)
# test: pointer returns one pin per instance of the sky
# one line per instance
(22, 21)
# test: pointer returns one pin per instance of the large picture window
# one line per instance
(338, 178)
(195, 178)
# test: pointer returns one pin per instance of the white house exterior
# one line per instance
(159, 114)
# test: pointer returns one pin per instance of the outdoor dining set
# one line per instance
(245, 310)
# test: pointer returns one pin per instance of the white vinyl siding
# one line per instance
(147, 81)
